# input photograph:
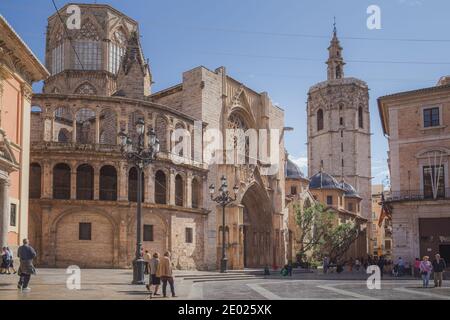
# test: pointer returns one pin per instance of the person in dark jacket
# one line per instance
(438, 270)
(26, 254)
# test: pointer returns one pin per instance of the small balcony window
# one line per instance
(431, 117)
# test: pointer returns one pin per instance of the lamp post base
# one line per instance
(223, 265)
(139, 271)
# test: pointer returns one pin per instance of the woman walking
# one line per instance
(425, 270)
(154, 280)
(6, 261)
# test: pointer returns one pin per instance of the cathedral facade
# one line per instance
(83, 193)
(339, 129)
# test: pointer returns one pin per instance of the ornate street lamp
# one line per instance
(139, 155)
(223, 199)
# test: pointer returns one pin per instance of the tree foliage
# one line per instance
(321, 234)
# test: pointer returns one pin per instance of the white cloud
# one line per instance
(301, 162)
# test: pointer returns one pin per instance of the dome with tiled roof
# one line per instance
(292, 171)
(323, 180)
(350, 191)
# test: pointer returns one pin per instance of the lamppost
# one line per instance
(139, 155)
(223, 199)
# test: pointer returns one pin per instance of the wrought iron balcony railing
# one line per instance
(417, 195)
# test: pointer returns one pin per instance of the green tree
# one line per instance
(314, 223)
(339, 239)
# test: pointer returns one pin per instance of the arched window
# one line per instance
(116, 50)
(161, 133)
(61, 181)
(241, 140)
(86, 89)
(108, 127)
(132, 185)
(108, 183)
(64, 135)
(85, 126)
(179, 191)
(88, 47)
(160, 188)
(319, 120)
(133, 118)
(63, 121)
(195, 193)
(85, 182)
(35, 181)
(360, 117)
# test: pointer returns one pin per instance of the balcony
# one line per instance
(417, 195)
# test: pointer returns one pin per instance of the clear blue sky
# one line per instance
(262, 44)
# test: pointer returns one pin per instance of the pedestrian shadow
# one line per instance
(135, 293)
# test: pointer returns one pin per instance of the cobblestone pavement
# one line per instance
(50, 284)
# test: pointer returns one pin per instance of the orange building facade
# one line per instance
(19, 69)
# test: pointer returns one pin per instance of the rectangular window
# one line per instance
(148, 232)
(329, 200)
(431, 117)
(387, 244)
(189, 235)
(342, 147)
(341, 121)
(13, 215)
(430, 176)
(89, 55)
(85, 230)
(293, 190)
(58, 59)
(350, 206)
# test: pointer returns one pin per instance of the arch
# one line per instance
(85, 122)
(108, 127)
(257, 226)
(86, 89)
(84, 253)
(63, 120)
(108, 183)
(61, 181)
(85, 182)
(160, 187)
(319, 120)
(196, 193)
(132, 185)
(132, 120)
(161, 132)
(361, 117)
(240, 141)
(35, 181)
(179, 191)
(182, 144)
(64, 135)
(116, 48)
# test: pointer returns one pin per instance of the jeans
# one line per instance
(164, 285)
(426, 279)
(24, 280)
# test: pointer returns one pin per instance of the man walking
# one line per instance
(438, 270)
(165, 273)
(26, 254)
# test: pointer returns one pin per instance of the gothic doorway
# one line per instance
(257, 242)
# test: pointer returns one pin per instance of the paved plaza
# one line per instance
(51, 284)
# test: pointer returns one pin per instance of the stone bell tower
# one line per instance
(339, 127)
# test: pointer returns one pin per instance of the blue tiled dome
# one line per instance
(323, 180)
(350, 191)
(293, 171)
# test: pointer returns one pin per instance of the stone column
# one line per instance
(188, 200)
(150, 195)
(4, 219)
(123, 182)
(73, 182)
(97, 126)
(171, 188)
(96, 182)
(74, 129)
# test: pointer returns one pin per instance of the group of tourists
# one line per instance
(159, 270)
(425, 268)
(7, 263)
